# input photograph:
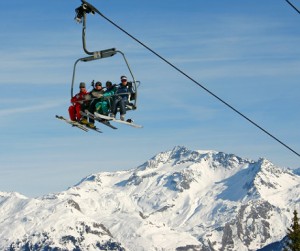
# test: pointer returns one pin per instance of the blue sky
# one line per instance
(246, 52)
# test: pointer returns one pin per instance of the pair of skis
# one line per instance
(105, 120)
(101, 120)
(111, 119)
(81, 126)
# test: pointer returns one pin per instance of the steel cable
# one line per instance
(197, 83)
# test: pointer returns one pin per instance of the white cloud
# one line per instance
(29, 109)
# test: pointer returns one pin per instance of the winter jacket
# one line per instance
(96, 93)
(109, 92)
(79, 97)
(123, 91)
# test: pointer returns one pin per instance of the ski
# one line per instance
(100, 120)
(128, 122)
(77, 124)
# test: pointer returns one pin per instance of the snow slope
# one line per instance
(179, 200)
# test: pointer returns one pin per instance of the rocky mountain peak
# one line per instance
(178, 200)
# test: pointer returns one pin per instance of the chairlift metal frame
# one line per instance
(95, 55)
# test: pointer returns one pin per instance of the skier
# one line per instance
(79, 103)
(121, 98)
(95, 96)
(104, 105)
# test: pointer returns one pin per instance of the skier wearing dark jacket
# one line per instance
(121, 98)
(95, 96)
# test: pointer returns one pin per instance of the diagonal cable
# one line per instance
(293, 6)
(197, 83)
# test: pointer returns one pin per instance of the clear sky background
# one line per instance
(246, 52)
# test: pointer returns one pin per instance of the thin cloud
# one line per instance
(29, 109)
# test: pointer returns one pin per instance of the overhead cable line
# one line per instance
(193, 80)
(293, 6)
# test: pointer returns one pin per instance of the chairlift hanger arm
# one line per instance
(80, 17)
(81, 12)
(133, 79)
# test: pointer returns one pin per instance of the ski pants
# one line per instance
(102, 107)
(92, 108)
(121, 103)
(74, 112)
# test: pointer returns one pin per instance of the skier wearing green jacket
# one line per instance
(104, 105)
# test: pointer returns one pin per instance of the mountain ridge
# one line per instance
(178, 200)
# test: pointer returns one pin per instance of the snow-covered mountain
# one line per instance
(178, 200)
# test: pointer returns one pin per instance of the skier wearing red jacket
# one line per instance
(79, 103)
